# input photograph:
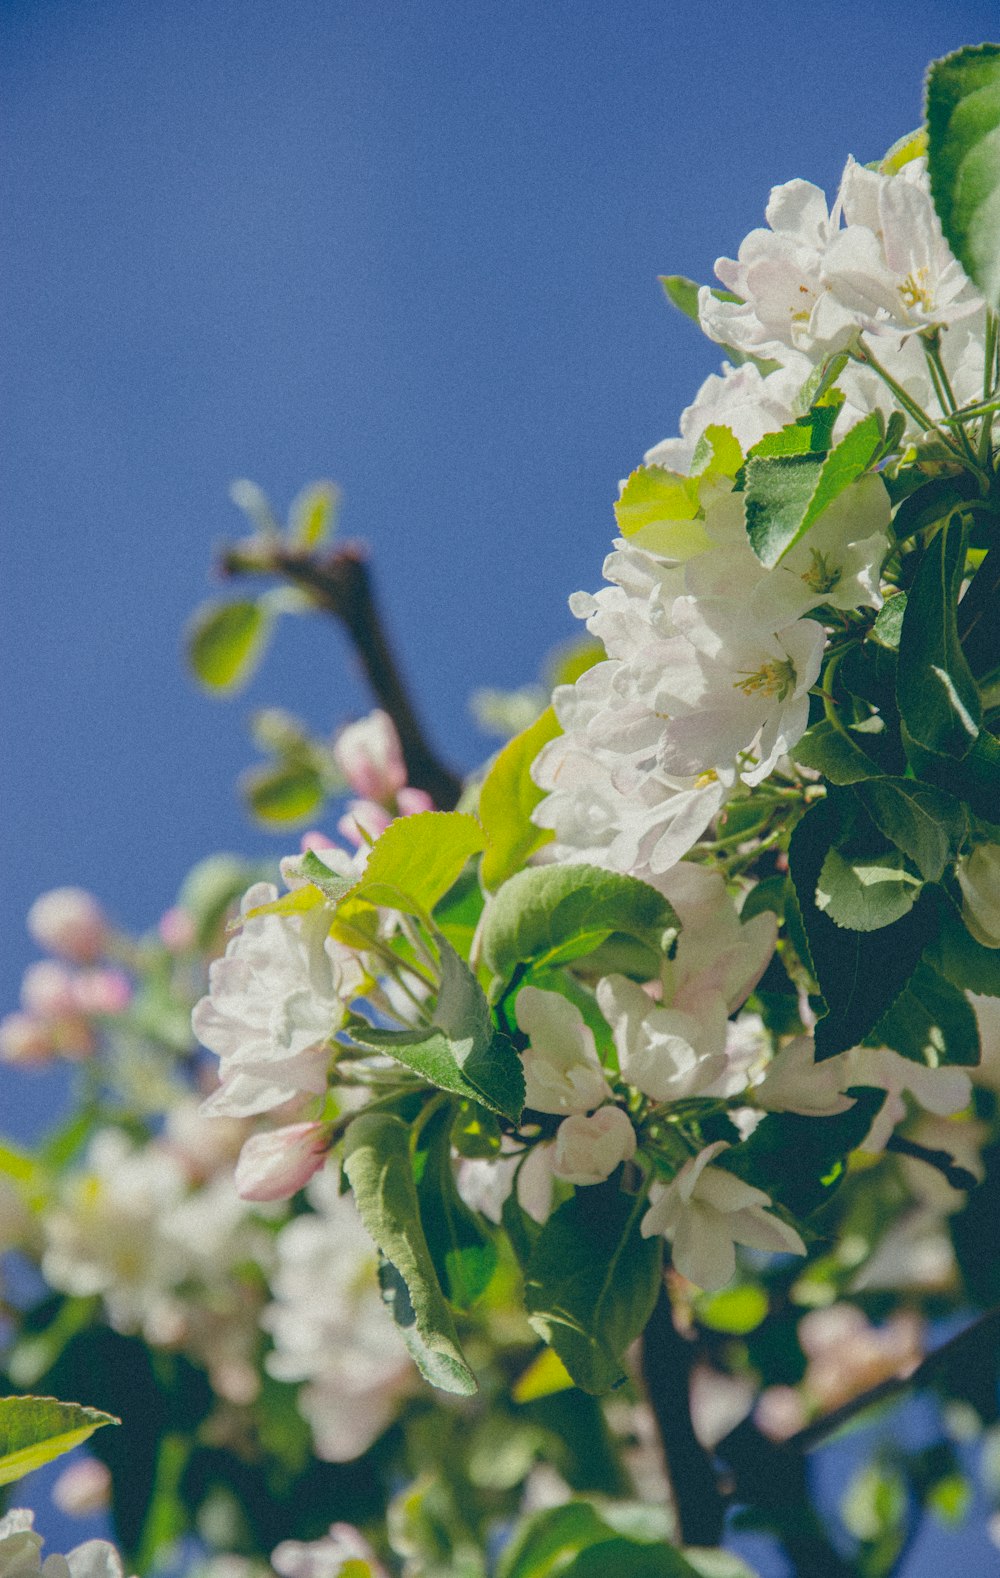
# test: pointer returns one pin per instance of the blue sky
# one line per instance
(413, 247)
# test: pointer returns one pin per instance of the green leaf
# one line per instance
(417, 859)
(963, 157)
(860, 974)
(549, 915)
(621, 1558)
(506, 800)
(787, 493)
(866, 892)
(832, 752)
(289, 792)
(930, 1022)
(937, 694)
(809, 434)
(34, 1430)
(313, 515)
(332, 887)
(660, 510)
(735, 1310)
(464, 1257)
(226, 641)
(933, 501)
(888, 624)
(592, 1281)
(429, 1054)
(797, 1160)
(961, 959)
(378, 1167)
(926, 823)
(543, 1541)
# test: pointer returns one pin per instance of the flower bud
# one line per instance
(589, 1149)
(364, 820)
(48, 990)
(101, 992)
(83, 1488)
(24, 1039)
(275, 1164)
(177, 929)
(370, 757)
(70, 923)
(979, 879)
(410, 801)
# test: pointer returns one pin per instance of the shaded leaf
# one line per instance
(926, 823)
(937, 694)
(506, 800)
(832, 752)
(464, 1256)
(930, 1022)
(963, 157)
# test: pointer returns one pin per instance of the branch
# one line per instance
(943, 1161)
(341, 585)
(666, 1368)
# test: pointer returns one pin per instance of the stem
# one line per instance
(342, 586)
(958, 1177)
(666, 1368)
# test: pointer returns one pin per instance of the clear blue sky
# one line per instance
(413, 247)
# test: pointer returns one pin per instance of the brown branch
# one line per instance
(667, 1359)
(942, 1161)
(341, 584)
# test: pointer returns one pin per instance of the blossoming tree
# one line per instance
(638, 1097)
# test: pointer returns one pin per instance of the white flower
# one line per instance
(588, 1149)
(837, 562)
(21, 1553)
(664, 1052)
(562, 1072)
(271, 1010)
(343, 1550)
(274, 1165)
(706, 1211)
(794, 1082)
(331, 1329)
(742, 399)
(979, 878)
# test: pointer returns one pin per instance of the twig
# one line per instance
(341, 585)
(942, 1161)
(666, 1368)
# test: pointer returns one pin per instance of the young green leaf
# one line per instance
(888, 625)
(417, 859)
(963, 158)
(484, 1054)
(313, 515)
(544, 1541)
(226, 641)
(937, 694)
(624, 1558)
(465, 1258)
(787, 493)
(34, 1430)
(926, 823)
(284, 794)
(549, 915)
(378, 1166)
(506, 800)
(592, 1281)
(659, 509)
(860, 974)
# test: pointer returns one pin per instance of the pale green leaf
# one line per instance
(506, 800)
(34, 1430)
(287, 793)
(865, 893)
(417, 859)
(658, 510)
(226, 641)
(963, 158)
(313, 514)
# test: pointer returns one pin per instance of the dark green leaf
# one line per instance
(225, 642)
(787, 493)
(938, 697)
(963, 157)
(463, 1255)
(832, 752)
(961, 959)
(378, 1166)
(860, 974)
(621, 1558)
(930, 1022)
(926, 823)
(888, 624)
(799, 1160)
(933, 501)
(544, 1541)
(549, 915)
(592, 1281)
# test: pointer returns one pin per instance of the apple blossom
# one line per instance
(276, 1164)
(589, 1148)
(343, 1551)
(706, 1211)
(562, 1071)
(664, 1052)
(69, 922)
(21, 1553)
(370, 757)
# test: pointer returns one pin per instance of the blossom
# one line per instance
(330, 1328)
(370, 757)
(83, 1488)
(742, 399)
(562, 1072)
(343, 1550)
(21, 1553)
(706, 1211)
(70, 923)
(588, 1149)
(271, 1010)
(664, 1052)
(276, 1164)
(837, 563)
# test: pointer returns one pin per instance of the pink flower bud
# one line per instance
(363, 816)
(102, 992)
(589, 1149)
(177, 929)
(48, 990)
(24, 1039)
(315, 841)
(83, 1489)
(275, 1164)
(370, 757)
(70, 923)
(410, 801)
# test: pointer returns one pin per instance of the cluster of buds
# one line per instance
(370, 756)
